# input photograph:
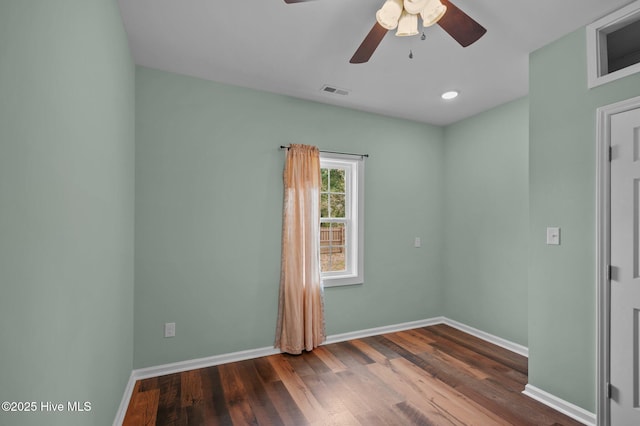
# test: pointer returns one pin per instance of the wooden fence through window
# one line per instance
(332, 240)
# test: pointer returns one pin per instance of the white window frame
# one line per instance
(354, 217)
(597, 72)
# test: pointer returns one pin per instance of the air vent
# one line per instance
(332, 89)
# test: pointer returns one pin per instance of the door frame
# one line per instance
(603, 249)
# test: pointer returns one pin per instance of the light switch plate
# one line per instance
(553, 236)
(169, 329)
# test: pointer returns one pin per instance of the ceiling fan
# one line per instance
(403, 15)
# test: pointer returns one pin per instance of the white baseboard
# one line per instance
(577, 413)
(124, 403)
(377, 331)
(210, 361)
(178, 367)
(498, 341)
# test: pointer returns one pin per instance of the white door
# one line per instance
(625, 275)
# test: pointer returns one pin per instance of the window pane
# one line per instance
(325, 180)
(325, 237)
(336, 203)
(337, 234)
(336, 180)
(332, 247)
(324, 205)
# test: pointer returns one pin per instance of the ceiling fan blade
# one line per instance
(460, 26)
(295, 1)
(369, 44)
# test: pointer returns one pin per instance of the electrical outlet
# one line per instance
(417, 242)
(169, 329)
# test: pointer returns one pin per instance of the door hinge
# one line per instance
(607, 390)
(610, 153)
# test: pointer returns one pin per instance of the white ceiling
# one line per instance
(295, 49)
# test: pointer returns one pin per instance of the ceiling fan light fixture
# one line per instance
(432, 12)
(408, 24)
(415, 6)
(389, 14)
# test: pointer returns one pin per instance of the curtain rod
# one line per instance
(334, 152)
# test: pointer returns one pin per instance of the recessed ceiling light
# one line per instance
(450, 95)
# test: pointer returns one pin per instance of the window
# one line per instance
(613, 46)
(341, 220)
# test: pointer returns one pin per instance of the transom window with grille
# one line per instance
(341, 219)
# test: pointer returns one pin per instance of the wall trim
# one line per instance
(376, 331)
(124, 403)
(178, 367)
(558, 404)
(210, 361)
(498, 341)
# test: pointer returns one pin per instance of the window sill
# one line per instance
(339, 281)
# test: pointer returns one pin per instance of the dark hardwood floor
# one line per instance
(434, 375)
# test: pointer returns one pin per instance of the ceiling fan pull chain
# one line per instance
(410, 54)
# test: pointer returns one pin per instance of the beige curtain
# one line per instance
(301, 311)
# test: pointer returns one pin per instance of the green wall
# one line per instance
(486, 221)
(208, 205)
(209, 213)
(562, 293)
(66, 208)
